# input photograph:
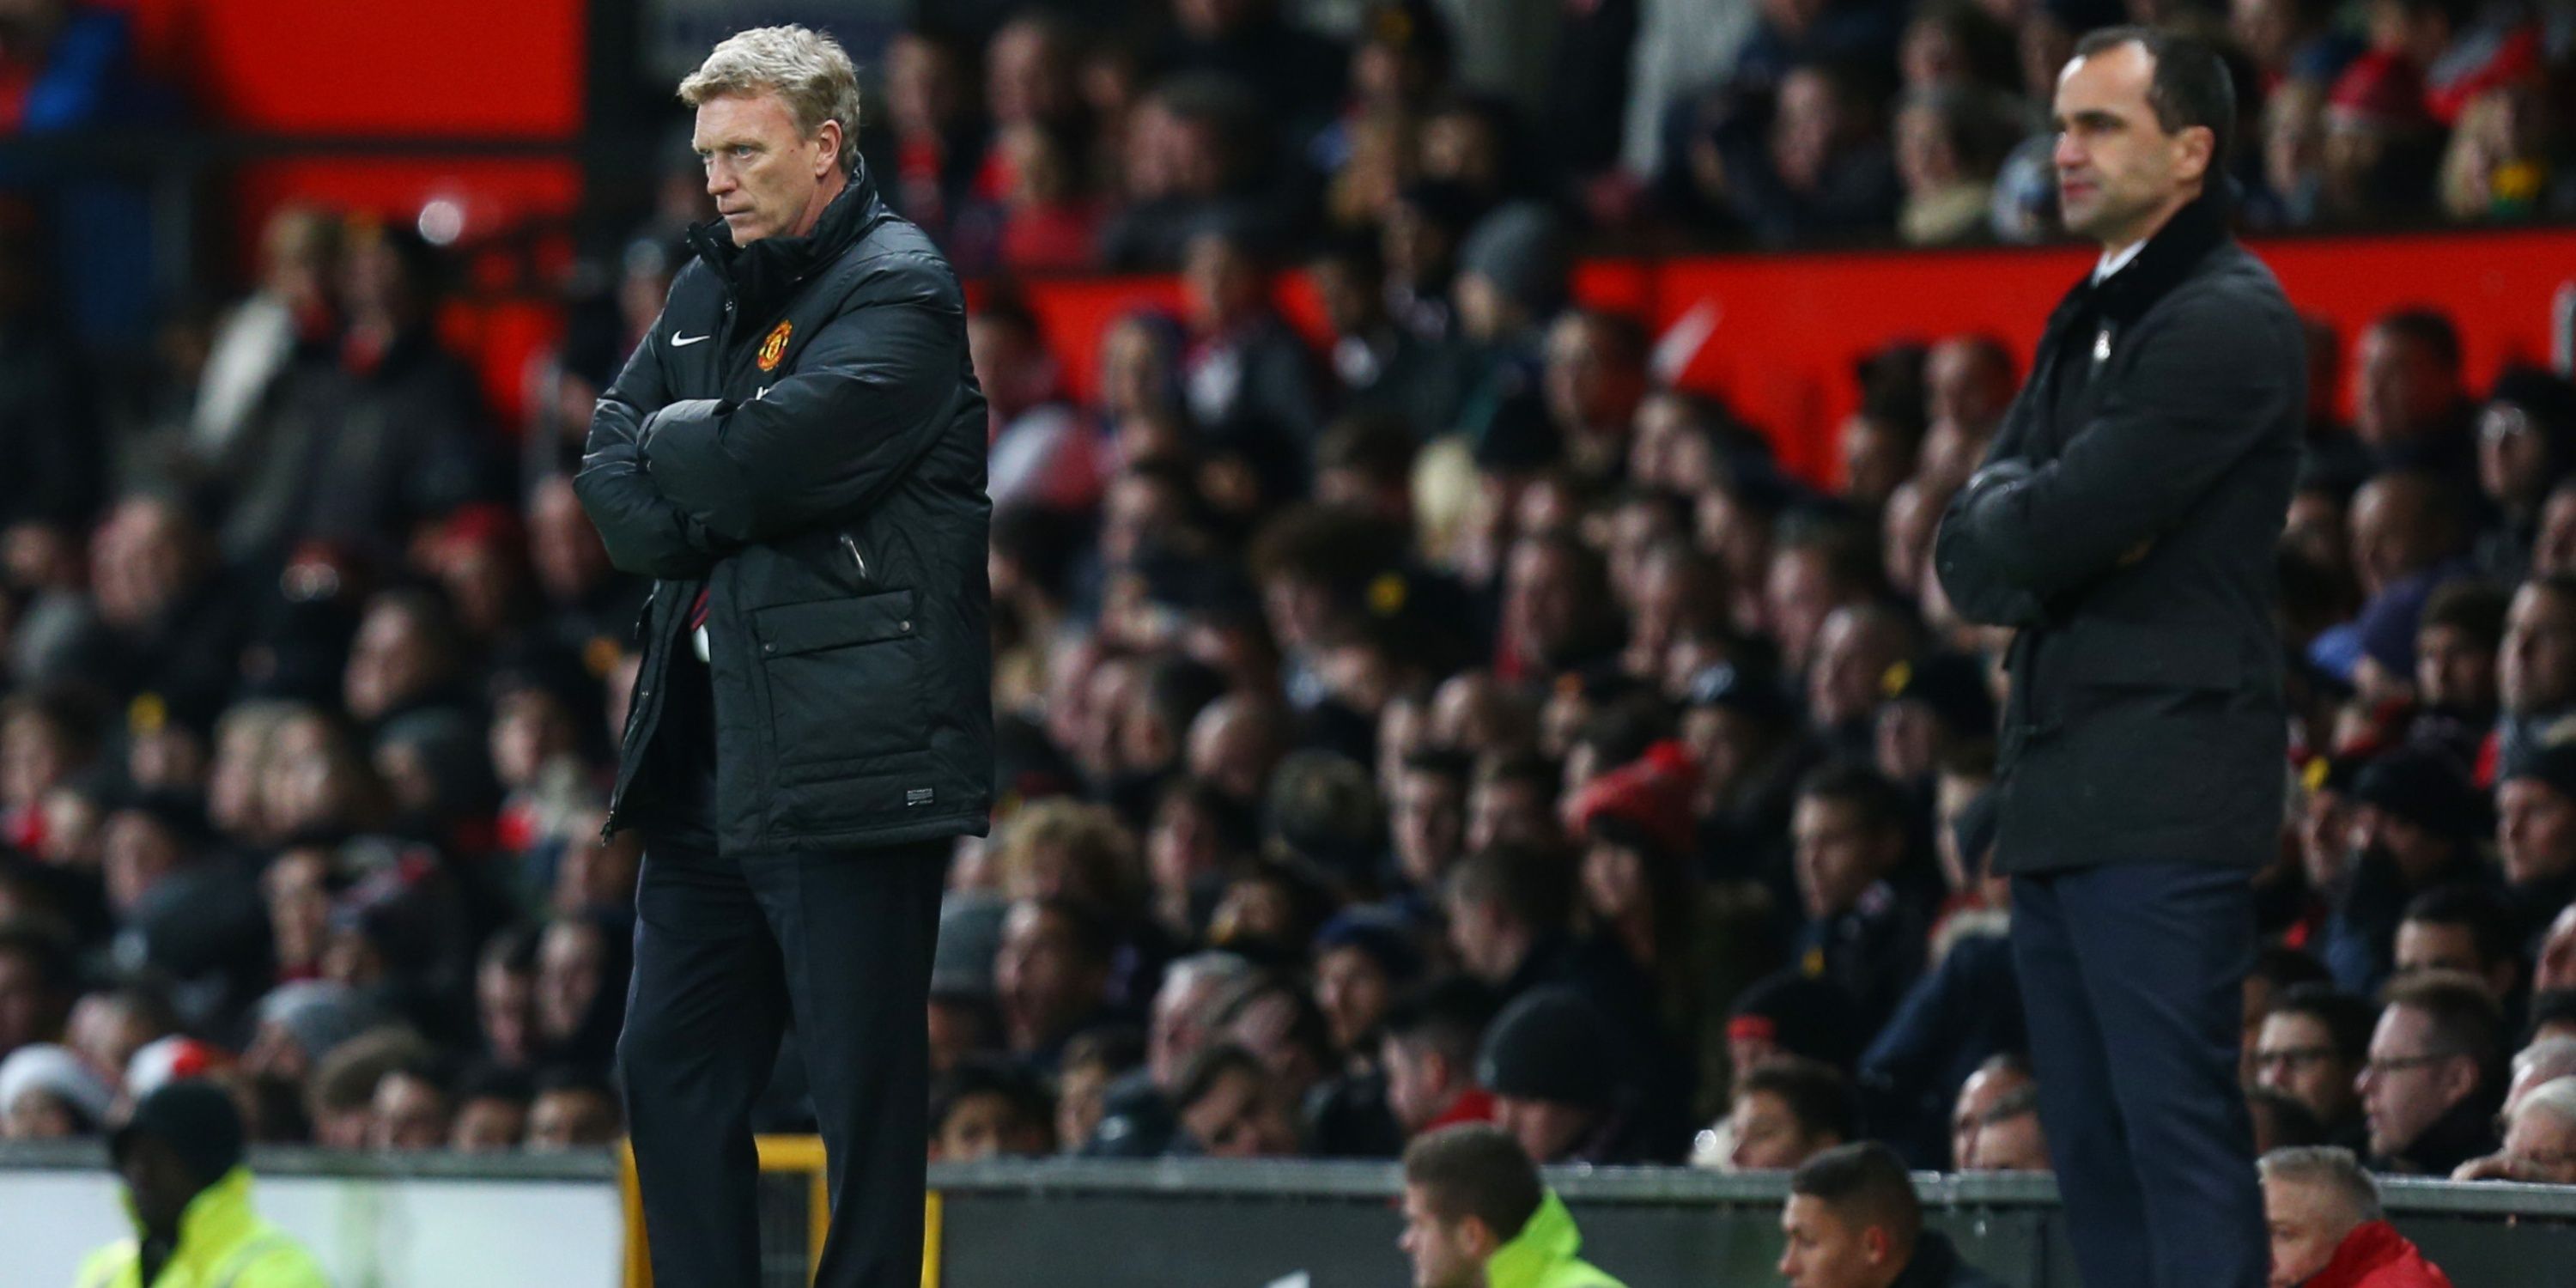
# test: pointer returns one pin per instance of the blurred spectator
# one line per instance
(36, 986)
(2429, 1088)
(413, 1109)
(1228, 1105)
(1429, 1055)
(2313, 1046)
(984, 1109)
(2009, 1137)
(1821, 167)
(1999, 1080)
(2327, 1228)
(1476, 1212)
(491, 1112)
(2526, 448)
(2465, 930)
(48, 1093)
(2539, 1140)
(1858, 933)
(2281, 1121)
(1052, 975)
(573, 1109)
(1853, 1220)
(1561, 1081)
(2413, 830)
(1787, 1111)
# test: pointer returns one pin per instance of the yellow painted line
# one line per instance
(930, 1218)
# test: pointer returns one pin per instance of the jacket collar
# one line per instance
(763, 274)
(2371, 1246)
(2169, 257)
(219, 1217)
(2464, 1131)
(1932, 1265)
(1547, 1239)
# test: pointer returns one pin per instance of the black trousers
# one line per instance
(728, 952)
(2133, 978)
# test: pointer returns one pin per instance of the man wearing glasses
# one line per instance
(2311, 1047)
(2429, 1089)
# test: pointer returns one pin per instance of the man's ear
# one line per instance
(1477, 1237)
(830, 137)
(2198, 147)
(1874, 1245)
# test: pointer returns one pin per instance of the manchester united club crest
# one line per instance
(775, 347)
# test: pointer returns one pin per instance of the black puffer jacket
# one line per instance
(802, 436)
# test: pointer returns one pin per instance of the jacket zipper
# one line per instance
(851, 544)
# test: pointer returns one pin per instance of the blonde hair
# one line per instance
(808, 71)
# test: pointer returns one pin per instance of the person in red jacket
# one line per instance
(2327, 1229)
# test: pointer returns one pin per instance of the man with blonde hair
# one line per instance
(795, 453)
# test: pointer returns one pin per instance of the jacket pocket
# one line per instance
(844, 679)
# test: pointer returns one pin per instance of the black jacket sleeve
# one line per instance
(644, 532)
(2203, 392)
(871, 394)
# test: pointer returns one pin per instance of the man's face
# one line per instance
(2453, 671)
(2016, 1144)
(1826, 1251)
(1797, 593)
(572, 962)
(1044, 982)
(2536, 671)
(1236, 1119)
(1768, 1138)
(2431, 945)
(1853, 652)
(1430, 824)
(2400, 389)
(2540, 1148)
(410, 1114)
(2393, 536)
(1838, 854)
(572, 1118)
(1417, 1083)
(2307, 1224)
(1548, 1131)
(1978, 1096)
(2554, 967)
(2409, 1083)
(2118, 172)
(158, 1183)
(1352, 990)
(983, 1126)
(489, 1124)
(765, 174)
(2296, 1054)
(1438, 1247)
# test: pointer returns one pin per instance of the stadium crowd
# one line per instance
(1447, 723)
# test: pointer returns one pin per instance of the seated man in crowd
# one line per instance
(1853, 1221)
(1429, 1054)
(2539, 1140)
(2327, 1230)
(2009, 1138)
(2313, 1045)
(1788, 1111)
(1477, 1216)
(2430, 1085)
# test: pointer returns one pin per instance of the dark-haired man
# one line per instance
(2124, 521)
(1852, 1221)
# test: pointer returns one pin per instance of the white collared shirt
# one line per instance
(2114, 261)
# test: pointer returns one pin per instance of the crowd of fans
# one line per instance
(1450, 723)
(1095, 136)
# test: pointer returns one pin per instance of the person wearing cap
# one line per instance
(2125, 524)
(1476, 1215)
(47, 1093)
(2415, 824)
(1554, 1063)
(301, 1024)
(181, 1157)
(2536, 834)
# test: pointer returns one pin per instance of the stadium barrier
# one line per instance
(566, 1221)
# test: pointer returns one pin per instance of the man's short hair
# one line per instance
(1864, 1183)
(1478, 1170)
(2020, 1102)
(1448, 1015)
(2190, 86)
(2465, 1018)
(2556, 1096)
(2429, 327)
(1531, 885)
(2490, 923)
(2347, 1019)
(2331, 1167)
(808, 71)
(2470, 606)
(1209, 1067)
(984, 1076)
(1817, 1095)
